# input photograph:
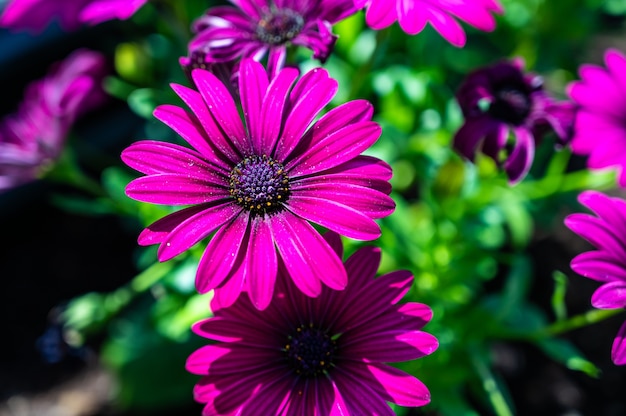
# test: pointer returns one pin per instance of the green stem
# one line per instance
(490, 384)
(590, 317)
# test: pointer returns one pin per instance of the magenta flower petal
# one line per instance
(412, 15)
(308, 258)
(34, 15)
(273, 109)
(400, 387)
(262, 264)
(598, 265)
(303, 355)
(174, 189)
(606, 230)
(503, 105)
(618, 352)
(256, 196)
(349, 222)
(187, 233)
(600, 129)
(611, 295)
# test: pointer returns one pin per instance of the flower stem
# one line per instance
(578, 321)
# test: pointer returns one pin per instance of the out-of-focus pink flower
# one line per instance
(35, 15)
(606, 230)
(412, 15)
(600, 126)
(34, 135)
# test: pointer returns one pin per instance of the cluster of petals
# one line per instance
(34, 135)
(600, 126)
(316, 356)
(606, 230)
(257, 183)
(507, 112)
(259, 28)
(412, 15)
(35, 15)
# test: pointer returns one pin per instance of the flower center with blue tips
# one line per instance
(279, 26)
(259, 184)
(310, 351)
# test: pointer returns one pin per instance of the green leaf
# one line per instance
(565, 353)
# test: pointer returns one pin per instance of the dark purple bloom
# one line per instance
(35, 15)
(606, 230)
(256, 28)
(33, 137)
(316, 356)
(412, 15)
(508, 111)
(600, 127)
(257, 183)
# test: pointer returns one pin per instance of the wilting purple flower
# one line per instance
(33, 137)
(35, 15)
(600, 126)
(508, 111)
(316, 356)
(256, 28)
(412, 15)
(257, 183)
(607, 264)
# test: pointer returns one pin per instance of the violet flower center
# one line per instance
(310, 351)
(279, 26)
(511, 104)
(259, 184)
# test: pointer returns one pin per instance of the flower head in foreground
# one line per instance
(316, 356)
(258, 183)
(35, 15)
(607, 264)
(33, 136)
(600, 126)
(256, 28)
(412, 15)
(508, 111)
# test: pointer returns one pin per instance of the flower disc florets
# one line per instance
(310, 351)
(259, 184)
(512, 104)
(279, 26)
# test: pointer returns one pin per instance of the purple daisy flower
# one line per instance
(412, 15)
(509, 111)
(256, 28)
(316, 356)
(35, 15)
(607, 232)
(33, 136)
(600, 126)
(256, 185)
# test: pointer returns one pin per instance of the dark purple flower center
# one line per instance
(310, 351)
(279, 26)
(511, 104)
(259, 184)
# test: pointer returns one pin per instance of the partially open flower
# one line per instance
(506, 113)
